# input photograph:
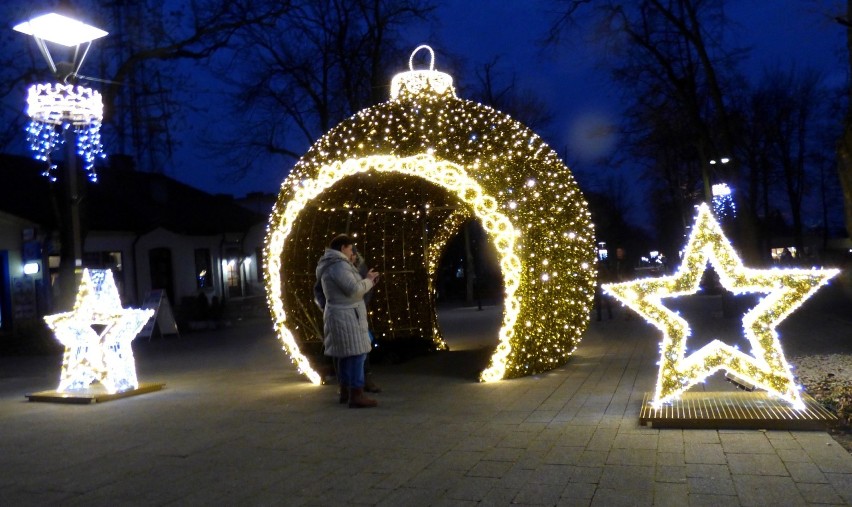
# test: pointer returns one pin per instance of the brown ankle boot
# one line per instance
(358, 400)
(344, 394)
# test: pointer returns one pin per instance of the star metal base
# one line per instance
(94, 394)
(735, 410)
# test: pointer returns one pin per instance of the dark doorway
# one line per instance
(469, 287)
(162, 274)
(469, 270)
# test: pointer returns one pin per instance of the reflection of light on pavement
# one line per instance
(467, 328)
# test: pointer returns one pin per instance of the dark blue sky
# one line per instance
(581, 98)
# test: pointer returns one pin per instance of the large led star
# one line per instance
(97, 335)
(766, 367)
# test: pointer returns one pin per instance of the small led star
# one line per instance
(785, 289)
(97, 335)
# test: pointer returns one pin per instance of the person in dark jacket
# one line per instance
(346, 336)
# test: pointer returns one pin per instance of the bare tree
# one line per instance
(504, 94)
(786, 119)
(670, 56)
(311, 69)
(145, 92)
(844, 144)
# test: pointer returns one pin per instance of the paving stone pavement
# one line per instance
(236, 425)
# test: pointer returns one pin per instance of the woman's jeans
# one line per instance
(350, 372)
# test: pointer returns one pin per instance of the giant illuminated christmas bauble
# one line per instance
(402, 177)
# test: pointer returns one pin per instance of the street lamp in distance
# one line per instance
(708, 193)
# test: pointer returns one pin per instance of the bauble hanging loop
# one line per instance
(416, 50)
(413, 82)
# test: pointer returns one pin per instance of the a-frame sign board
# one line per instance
(163, 318)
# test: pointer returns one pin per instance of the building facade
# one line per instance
(154, 232)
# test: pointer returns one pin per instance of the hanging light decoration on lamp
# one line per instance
(55, 108)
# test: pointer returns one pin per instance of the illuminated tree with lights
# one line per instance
(427, 151)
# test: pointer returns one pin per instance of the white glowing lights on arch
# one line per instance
(500, 171)
(97, 336)
(441, 173)
(54, 107)
(766, 367)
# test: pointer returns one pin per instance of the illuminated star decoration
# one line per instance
(97, 335)
(785, 289)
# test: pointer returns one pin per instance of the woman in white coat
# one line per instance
(346, 336)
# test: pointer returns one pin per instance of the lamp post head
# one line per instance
(56, 107)
(64, 31)
(60, 29)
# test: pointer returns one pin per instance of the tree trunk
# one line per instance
(844, 169)
(470, 267)
(844, 146)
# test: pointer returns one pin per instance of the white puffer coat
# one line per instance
(345, 315)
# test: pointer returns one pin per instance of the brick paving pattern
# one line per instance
(236, 425)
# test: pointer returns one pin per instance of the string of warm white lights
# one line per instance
(450, 227)
(97, 334)
(525, 197)
(766, 367)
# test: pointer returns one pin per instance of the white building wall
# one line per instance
(182, 250)
(252, 244)
(118, 242)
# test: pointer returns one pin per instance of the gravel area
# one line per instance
(828, 379)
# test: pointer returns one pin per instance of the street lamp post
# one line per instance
(705, 174)
(66, 113)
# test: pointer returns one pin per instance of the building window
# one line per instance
(232, 275)
(231, 270)
(106, 260)
(162, 275)
(203, 274)
(103, 260)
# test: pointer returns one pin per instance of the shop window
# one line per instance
(203, 273)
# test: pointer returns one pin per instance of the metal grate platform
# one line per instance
(91, 395)
(735, 410)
